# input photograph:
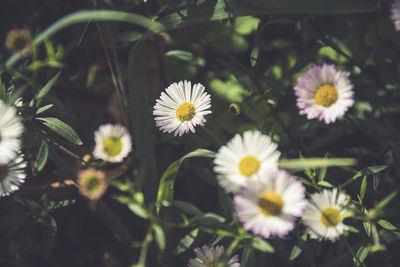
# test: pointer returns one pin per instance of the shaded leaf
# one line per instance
(186, 241)
(62, 129)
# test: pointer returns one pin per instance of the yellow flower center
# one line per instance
(326, 95)
(112, 146)
(3, 172)
(92, 183)
(270, 203)
(330, 217)
(248, 165)
(185, 111)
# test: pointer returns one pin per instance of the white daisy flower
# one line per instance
(395, 10)
(181, 108)
(113, 143)
(324, 214)
(243, 157)
(324, 93)
(12, 175)
(11, 129)
(209, 256)
(269, 203)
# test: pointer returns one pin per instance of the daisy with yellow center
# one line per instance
(181, 108)
(243, 157)
(12, 175)
(92, 183)
(324, 93)
(324, 214)
(269, 203)
(210, 257)
(113, 143)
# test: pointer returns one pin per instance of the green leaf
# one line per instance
(62, 129)
(159, 236)
(298, 247)
(363, 187)
(166, 187)
(3, 91)
(376, 169)
(226, 203)
(44, 108)
(42, 156)
(188, 208)
(306, 163)
(262, 245)
(186, 241)
(45, 89)
(386, 200)
(362, 253)
(367, 227)
(325, 184)
(138, 210)
(387, 225)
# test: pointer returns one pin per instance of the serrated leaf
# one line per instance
(159, 236)
(167, 182)
(62, 129)
(262, 245)
(186, 241)
(387, 225)
(42, 156)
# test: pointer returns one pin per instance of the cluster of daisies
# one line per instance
(268, 201)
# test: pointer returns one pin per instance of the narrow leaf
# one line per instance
(42, 156)
(307, 163)
(159, 236)
(186, 241)
(62, 129)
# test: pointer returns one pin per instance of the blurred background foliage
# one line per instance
(249, 55)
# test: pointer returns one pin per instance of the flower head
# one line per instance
(209, 256)
(181, 108)
(92, 183)
(324, 214)
(395, 10)
(11, 129)
(269, 204)
(244, 156)
(12, 175)
(324, 93)
(113, 143)
(19, 41)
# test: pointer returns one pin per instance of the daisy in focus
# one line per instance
(324, 93)
(269, 204)
(324, 214)
(395, 10)
(181, 108)
(113, 143)
(92, 183)
(209, 256)
(19, 41)
(11, 129)
(12, 175)
(244, 156)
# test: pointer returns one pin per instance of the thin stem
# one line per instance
(353, 253)
(145, 246)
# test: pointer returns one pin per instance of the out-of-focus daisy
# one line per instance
(19, 41)
(92, 183)
(396, 14)
(324, 214)
(12, 175)
(113, 143)
(11, 129)
(243, 157)
(181, 108)
(269, 203)
(324, 93)
(210, 256)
